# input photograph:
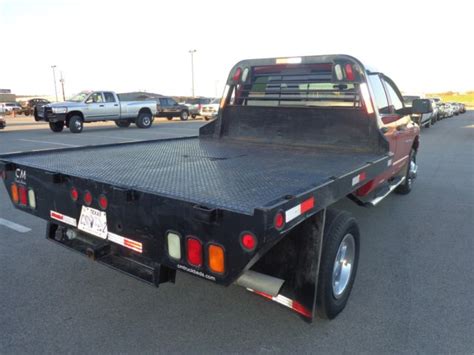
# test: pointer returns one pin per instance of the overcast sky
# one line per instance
(425, 46)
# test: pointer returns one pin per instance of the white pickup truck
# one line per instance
(93, 106)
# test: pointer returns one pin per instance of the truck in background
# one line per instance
(93, 106)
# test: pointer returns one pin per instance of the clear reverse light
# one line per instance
(174, 245)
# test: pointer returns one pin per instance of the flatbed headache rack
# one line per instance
(258, 170)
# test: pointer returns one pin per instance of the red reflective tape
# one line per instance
(56, 215)
(362, 176)
(263, 294)
(307, 205)
(132, 245)
(298, 307)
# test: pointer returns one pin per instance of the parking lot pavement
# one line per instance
(413, 292)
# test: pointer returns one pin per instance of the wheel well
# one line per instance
(416, 143)
(144, 110)
(73, 113)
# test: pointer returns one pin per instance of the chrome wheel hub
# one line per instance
(343, 265)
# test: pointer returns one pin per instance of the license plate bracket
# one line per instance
(93, 221)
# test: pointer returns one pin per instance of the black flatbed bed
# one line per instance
(223, 173)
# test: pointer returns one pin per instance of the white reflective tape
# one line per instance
(63, 218)
(292, 213)
(125, 242)
(355, 180)
(389, 162)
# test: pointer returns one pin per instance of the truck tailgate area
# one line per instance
(214, 173)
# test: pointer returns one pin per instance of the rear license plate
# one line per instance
(93, 221)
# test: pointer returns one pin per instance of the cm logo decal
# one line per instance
(20, 175)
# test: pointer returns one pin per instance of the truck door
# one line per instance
(95, 107)
(387, 117)
(404, 128)
(112, 106)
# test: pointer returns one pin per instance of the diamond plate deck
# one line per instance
(216, 173)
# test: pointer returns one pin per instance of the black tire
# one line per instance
(26, 113)
(207, 118)
(428, 125)
(56, 126)
(169, 118)
(122, 123)
(144, 120)
(184, 115)
(194, 116)
(410, 175)
(340, 226)
(76, 124)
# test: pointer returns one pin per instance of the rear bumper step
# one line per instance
(109, 255)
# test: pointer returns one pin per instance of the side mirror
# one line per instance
(420, 106)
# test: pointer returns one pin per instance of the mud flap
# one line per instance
(296, 259)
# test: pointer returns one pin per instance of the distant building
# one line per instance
(7, 96)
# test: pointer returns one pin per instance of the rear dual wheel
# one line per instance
(144, 120)
(339, 260)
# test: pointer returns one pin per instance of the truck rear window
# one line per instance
(302, 85)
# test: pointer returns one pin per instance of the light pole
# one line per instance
(192, 51)
(54, 78)
(62, 85)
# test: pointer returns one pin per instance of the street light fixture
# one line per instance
(54, 78)
(192, 51)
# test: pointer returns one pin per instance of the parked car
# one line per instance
(93, 106)
(426, 119)
(449, 109)
(462, 108)
(456, 108)
(9, 107)
(251, 201)
(195, 105)
(28, 107)
(442, 110)
(169, 108)
(210, 110)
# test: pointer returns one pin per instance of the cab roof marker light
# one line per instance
(294, 60)
(364, 90)
(338, 71)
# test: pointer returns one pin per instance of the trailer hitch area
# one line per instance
(97, 251)
(108, 254)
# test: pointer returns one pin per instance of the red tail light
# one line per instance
(74, 194)
(237, 73)
(249, 241)
(103, 202)
(349, 72)
(88, 198)
(194, 252)
(279, 221)
(23, 191)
